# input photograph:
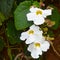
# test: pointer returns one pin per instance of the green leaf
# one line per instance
(55, 17)
(20, 15)
(1, 44)
(2, 18)
(35, 3)
(12, 33)
(6, 6)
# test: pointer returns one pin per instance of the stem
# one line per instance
(41, 0)
(21, 55)
(54, 49)
(17, 56)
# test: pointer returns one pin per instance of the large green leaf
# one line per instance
(55, 17)
(20, 15)
(12, 33)
(6, 6)
(1, 44)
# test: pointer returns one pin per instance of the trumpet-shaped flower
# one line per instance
(37, 15)
(31, 35)
(37, 48)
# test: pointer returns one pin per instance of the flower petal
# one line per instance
(30, 47)
(38, 32)
(36, 52)
(39, 38)
(24, 36)
(30, 39)
(34, 55)
(34, 27)
(47, 12)
(39, 20)
(45, 46)
(40, 51)
(33, 9)
(30, 16)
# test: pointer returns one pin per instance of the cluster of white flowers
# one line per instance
(38, 15)
(34, 36)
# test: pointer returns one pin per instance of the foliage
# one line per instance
(6, 6)
(2, 18)
(20, 15)
(12, 33)
(13, 19)
(1, 44)
(5, 9)
(55, 17)
(35, 3)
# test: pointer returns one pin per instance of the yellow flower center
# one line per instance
(30, 32)
(38, 12)
(37, 45)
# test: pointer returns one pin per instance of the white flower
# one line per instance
(37, 15)
(31, 35)
(37, 48)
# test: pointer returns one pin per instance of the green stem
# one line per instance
(9, 53)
